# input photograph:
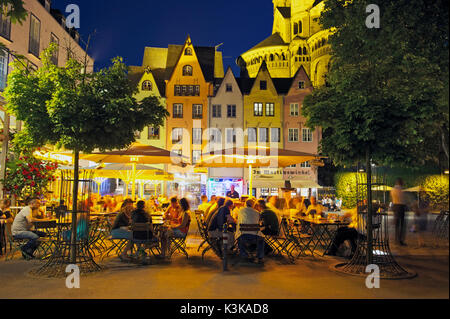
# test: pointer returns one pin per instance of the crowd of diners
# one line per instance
(263, 215)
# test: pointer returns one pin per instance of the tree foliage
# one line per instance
(79, 111)
(386, 87)
(15, 10)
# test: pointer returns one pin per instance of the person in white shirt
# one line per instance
(248, 231)
(22, 228)
(399, 208)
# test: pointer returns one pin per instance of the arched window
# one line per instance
(299, 51)
(187, 70)
(295, 28)
(300, 27)
(188, 51)
(271, 57)
(305, 52)
(147, 86)
(283, 57)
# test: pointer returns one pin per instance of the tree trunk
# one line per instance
(369, 209)
(73, 239)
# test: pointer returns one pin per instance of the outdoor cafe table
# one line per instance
(322, 231)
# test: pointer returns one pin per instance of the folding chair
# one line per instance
(297, 241)
(116, 246)
(15, 245)
(179, 244)
(149, 242)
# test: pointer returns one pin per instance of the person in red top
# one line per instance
(173, 211)
(179, 226)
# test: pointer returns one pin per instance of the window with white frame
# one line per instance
(293, 135)
(231, 135)
(187, 70)
(177, 135)
(147, 86)
(153, 133)
(197, 136)
(275, 135)
(305, 165)
(252, 134)
(177, 111)
(229, 87)
(270, 109)
(5, 22)
(215, 136)
(294, 109)
(264, 134)
(197, 111)
(217, 111)
(35, 35)
(307, 135)
(231, 111)
(54, 39)
(258, 109)
(4, 59)
(196, 156)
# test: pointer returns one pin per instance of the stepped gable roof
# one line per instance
(282, 85)
(135, 74)
(285, 11)
(274, 40)
(205, 55)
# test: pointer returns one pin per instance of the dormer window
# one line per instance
(263, 85)
(301, 84)
(187, 70)
(229, 88)
(188, 51)
(147, 86)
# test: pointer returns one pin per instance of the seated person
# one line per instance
(139, 215)
(223, 216)
(248, 224)
(314, 209)
(178, 228)
(346, 233)
(212, 207)
(173, 211)
(23, 225)
(204, 205)
(213, 210)
(269, 220)
(5, 213)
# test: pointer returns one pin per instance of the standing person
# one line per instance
(399, 209)
(232, 193)
(248, 231)
(23, 225)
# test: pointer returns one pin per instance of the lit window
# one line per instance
(153, 133)
(147, 86)
(293, 135)
(196, 156)
(307, 135)
(264, 135)
(197, 90)
(197, 136)
(177, 135)
(187, 70)
(270, 109)
(188, 51)
(177, 90)
(252, 132)
(294, 109)
(258, 109)
(275, 135)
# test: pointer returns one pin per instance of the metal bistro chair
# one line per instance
(179, 243)
(298, 241)
(150, 242)
(279, 244)
(15, 245)
(212, 243)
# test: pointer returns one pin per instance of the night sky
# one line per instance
(124, 28)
